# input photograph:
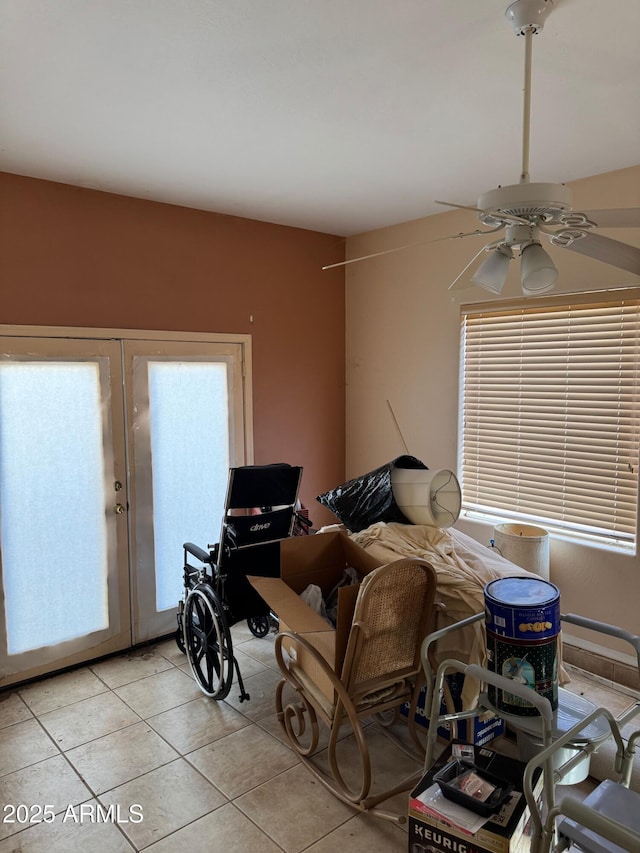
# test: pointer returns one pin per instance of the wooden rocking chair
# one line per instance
(380, 673)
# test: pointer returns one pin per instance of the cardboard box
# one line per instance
(319, 559)
(509, 831)
(476, 731)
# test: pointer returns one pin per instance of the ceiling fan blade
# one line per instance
(408, 246)
(609, 251)
(623, 217)
(374, 255)
(460, 206)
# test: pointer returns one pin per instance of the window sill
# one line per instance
(578, 537)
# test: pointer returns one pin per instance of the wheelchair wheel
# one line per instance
(208, 642)
(258, 625)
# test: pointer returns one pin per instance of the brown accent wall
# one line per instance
(78, 257)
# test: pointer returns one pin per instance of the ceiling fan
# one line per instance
(521, 213)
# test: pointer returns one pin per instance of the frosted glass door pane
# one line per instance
(189, 434)
(53, 534)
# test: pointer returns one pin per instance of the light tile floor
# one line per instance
(134, 733)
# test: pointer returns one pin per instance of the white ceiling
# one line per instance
(334, 115)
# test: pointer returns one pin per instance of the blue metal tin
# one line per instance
(522, 608)
(522, 617)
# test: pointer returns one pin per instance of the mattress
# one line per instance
(463, 567)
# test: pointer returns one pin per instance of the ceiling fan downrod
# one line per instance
(527, 18)
(533, 203)
(526, 119)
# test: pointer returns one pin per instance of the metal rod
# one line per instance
(395, 420)
(526, 122)
(376, 254)
(452, 286)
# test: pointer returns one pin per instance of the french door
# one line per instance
(112, 453)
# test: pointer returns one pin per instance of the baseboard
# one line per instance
(615, 671)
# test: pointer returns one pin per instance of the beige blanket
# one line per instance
(463, 566)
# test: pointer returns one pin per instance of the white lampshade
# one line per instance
(427, 496)
(492, 272)
(526, 545)
(537, 271)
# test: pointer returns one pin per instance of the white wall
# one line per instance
(402, 346)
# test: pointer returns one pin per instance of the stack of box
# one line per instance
(508, 831)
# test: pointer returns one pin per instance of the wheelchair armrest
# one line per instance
(303, 521)
(198, 553)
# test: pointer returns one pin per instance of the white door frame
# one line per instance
(243, 451)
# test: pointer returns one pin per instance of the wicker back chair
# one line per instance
(380, 673)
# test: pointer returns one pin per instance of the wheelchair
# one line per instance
(260, 510)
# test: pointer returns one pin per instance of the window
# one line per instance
(549, 415)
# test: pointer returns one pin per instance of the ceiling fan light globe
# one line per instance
(537, 271)
(492, 272)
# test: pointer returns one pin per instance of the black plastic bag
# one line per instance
(364, 500)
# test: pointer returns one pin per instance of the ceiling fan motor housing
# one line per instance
(540, 202)
(526, 15)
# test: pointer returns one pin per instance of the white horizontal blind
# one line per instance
(549, 415)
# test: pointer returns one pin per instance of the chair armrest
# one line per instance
(434, 636)
(198, 553)
(604, 628)
(602, 825)
(545, 759)
(304, 684)
(541, 703)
